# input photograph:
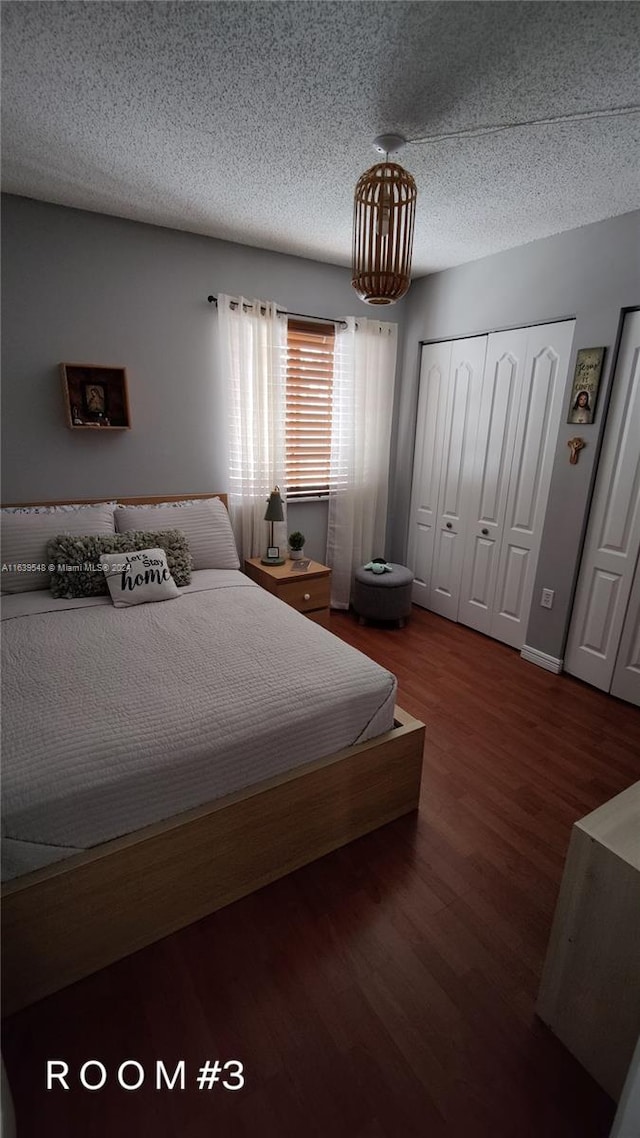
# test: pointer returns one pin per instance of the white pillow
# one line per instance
(25, 532)
(205, 524)
(139, 577)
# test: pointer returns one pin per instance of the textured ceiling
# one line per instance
(252, 121)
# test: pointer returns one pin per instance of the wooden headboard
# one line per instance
(148, 500)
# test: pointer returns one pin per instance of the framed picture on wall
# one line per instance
(94, 398)
(586, 381)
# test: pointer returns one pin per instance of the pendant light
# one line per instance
(383, 222)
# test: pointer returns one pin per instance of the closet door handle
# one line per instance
(485, 532)
(449, 526)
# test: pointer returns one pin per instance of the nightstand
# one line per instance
(307, 591)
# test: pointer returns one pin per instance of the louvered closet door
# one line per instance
(613, 536)
(432, 400)
(489, 486)
(539, 415)
(464, 391)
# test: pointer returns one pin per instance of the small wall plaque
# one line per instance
(586, 381)
(96, 397)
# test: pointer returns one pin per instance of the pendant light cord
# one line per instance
(476, 132)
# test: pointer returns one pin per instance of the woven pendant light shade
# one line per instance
(383, 221)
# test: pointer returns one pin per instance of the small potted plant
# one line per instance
(296, 546)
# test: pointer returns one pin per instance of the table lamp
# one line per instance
(275, 513)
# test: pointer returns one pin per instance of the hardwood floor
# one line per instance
(388, 990)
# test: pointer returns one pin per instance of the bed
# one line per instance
(163, 761)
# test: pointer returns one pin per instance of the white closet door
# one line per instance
(434, 377)
(539, 415)
(501, 387)
(458, 444)
(626, 675)
(613, 537)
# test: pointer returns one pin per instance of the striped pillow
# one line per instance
(26, 532)
(204, 522)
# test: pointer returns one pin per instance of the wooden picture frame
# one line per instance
(96, 397)
(584, 389)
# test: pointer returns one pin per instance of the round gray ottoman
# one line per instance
(383, 596)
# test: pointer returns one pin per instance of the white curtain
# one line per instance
(253, 349)
(365, 368)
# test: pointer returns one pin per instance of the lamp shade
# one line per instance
(383, 222)
(275, 510)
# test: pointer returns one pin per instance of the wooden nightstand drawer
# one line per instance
(307, 590)
(305, 595)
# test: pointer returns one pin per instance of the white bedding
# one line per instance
(116, 718)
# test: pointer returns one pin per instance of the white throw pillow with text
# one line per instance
(139, 577)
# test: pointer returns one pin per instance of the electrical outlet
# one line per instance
(546, 600)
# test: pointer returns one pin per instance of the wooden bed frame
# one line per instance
(76, 916)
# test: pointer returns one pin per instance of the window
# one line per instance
(310, 359)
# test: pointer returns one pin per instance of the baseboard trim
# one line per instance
(534, 656)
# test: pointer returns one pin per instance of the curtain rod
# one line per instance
(283, 311)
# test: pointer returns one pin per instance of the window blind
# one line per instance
(310, 370)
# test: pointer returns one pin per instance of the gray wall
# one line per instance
(85, 288)
(590, 274)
